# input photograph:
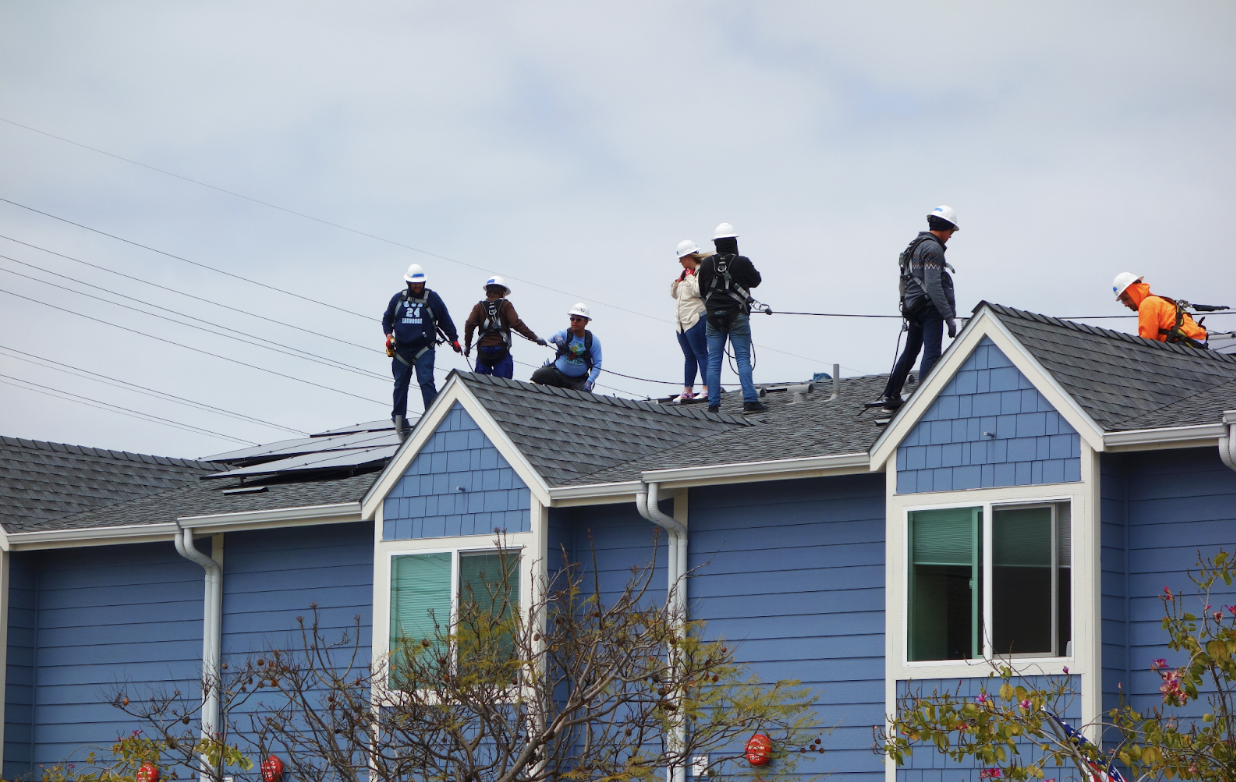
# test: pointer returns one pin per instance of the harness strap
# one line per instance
(721, 270)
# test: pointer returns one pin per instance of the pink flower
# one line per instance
(1157, 664)
(1173, 694)
(1066, 670)
(1025, 704)
(1231, 610)
(989, 773)
(982, 698)
(1168, 591)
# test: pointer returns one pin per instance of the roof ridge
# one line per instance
(1003, 309)
(98, 453)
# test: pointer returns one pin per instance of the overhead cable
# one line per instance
(125, 385)
(302, 329)
(277, 347)
(195, 350)
(186, 260)
(65, 395)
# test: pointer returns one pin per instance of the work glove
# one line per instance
(588, 385)
(455, 347)
(467, 351)
(542, 342)
(952, 328)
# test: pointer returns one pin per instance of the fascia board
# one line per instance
(745, 472)
(455, 391)
(560, 494)
(94, 536)
(1203, 435)
(335, 513)
(1229, 417)
(4, 546)
(986, 324)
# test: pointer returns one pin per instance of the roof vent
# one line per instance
(800, 392)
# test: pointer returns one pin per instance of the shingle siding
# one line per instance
(458, 484)
(988, 427)
(1176, 504)
(22, 653)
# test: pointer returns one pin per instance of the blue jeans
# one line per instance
(740, 338)
(694, 344)
(926, 333)
(504, 368)
(403, 379)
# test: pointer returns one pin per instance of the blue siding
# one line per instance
(988, 427)
(1113, 530)
(616, 537)
(929, 765)
(794, 572)
(1176, 503)
(458, 484)
(270, 577)
(19, 678)
(106, 615)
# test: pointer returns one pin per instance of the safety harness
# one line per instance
(723, 283)
(493, 324)
(407, 301)
(906, 262)
(564, 348)
(1175, 334)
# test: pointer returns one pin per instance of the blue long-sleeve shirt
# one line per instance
(571, 361)
(413, 328)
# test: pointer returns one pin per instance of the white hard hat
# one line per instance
(687, 247)
(724, 231)
(1123, 281)
(945, 213)
(415, 274)
(581, 310)
(501, 283)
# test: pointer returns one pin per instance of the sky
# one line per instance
(318, 149)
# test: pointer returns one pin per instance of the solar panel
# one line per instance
(372, 426)
(328, 460)
(313, 444)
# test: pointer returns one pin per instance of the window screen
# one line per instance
(1031, 580)
(420, 598)
(488, 595)
(946, 584)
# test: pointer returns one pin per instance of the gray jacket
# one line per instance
(929, 278)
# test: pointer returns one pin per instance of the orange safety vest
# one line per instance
(1158, 316)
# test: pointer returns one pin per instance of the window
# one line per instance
(430, 593)
(1019, 586)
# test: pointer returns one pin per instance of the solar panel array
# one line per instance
(352, 448)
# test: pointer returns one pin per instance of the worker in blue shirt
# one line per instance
(411, 324)
(578, 362)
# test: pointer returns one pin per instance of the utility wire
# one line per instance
(65, 395)
(195, 350)
(125, 385)
(277, 347)
(366, 348)
(186, 260)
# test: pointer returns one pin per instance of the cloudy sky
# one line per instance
(569, 147)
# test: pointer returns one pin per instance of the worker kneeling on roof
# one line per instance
(578, 362)
(1158, 317)
(412, 322)
(726, 280)
(492, 319)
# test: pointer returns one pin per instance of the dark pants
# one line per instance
(504, 368)
(694, 344)
(926, 333)
(403, 379)
(551, 376)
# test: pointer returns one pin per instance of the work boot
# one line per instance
(714, 408)
(892, 404)
(754, 407)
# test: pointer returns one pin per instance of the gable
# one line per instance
(458, 484)
(988, 427)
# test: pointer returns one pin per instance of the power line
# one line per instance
(366, 348)
(125, 385)
(186, 260)
(320, 220)
(195, 350)
(65, 395)
(278, 347)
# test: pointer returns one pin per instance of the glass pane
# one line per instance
(488, 603)
(420, 599)
(1064, 580)
(1021, 581)
(945, 584)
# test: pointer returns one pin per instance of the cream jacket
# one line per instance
(690, 305)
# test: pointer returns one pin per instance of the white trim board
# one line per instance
(986, 324)
(456, 391)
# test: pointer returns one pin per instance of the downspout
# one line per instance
(1227, 443)
(212, 631)
(676, 563)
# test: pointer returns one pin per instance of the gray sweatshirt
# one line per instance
(929, 277)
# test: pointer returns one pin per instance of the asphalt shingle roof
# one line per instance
(1118, 377)
(42, 482)
(569, 434)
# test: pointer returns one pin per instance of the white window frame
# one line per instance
(988, 617)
